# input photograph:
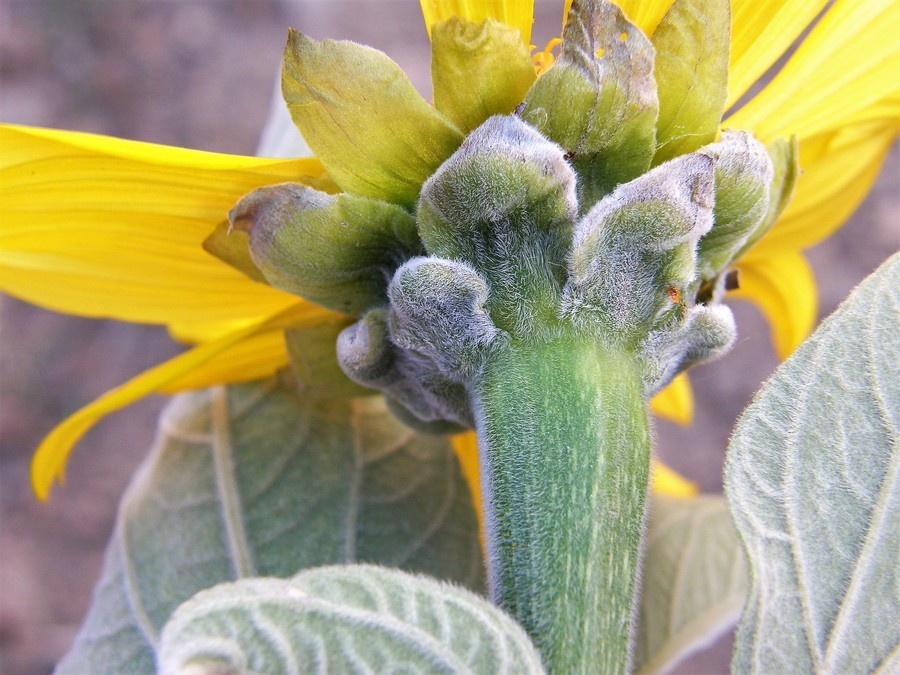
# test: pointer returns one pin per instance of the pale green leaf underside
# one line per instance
(344, 619)
(694, 580)
(253, 480)
(812, 483)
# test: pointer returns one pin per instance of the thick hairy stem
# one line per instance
(565, 447)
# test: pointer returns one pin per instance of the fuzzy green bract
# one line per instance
(599, 99)
(812, 482)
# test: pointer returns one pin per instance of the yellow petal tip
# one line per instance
(666, 481)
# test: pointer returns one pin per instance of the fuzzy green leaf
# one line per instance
(692, 50)
(478, 70)
(812, 483)
(343, 619)
(599, 101)
(695, 580)
(363, 118)
(255, 480)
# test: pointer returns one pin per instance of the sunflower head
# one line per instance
(628, 104)
(598, 199)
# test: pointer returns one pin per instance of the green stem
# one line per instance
(565, 448)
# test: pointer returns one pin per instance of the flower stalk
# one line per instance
(565, 447)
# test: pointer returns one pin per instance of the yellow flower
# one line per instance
(102, 227)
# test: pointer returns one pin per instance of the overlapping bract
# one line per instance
(508, 256)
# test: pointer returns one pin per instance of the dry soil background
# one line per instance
(200, 74)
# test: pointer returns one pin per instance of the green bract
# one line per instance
(692, 45)
(599, 100)
(479, 70)
(363, 119)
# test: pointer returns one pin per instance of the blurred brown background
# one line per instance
(200, 74)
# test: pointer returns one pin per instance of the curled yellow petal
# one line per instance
(667, 481)
(761, 31)
(676, 401)
(848, 63)
(516, 13)
(784, 288)
(103, 227)
(195, 332)
(466, 448)
(838, 171)
(219, 361)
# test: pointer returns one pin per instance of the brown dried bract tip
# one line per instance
(732, 280)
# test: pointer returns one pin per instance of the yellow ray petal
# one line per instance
(645, 14)
(666, 481)
(255, 357)
(183, 371)
(838, 171)
(103, 227)
(784, 288)
(676, 401)
(761, 31)
(466, 447)
(566, 8)
(849, 62)
(517, 13)
(195, 332)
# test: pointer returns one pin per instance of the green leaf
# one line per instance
(478, 70)
(344, 619)
(339, 251)
(692, 50)
(254, 480)
(694, 580)
(598, 101)
(812, 483)
(363, 119)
